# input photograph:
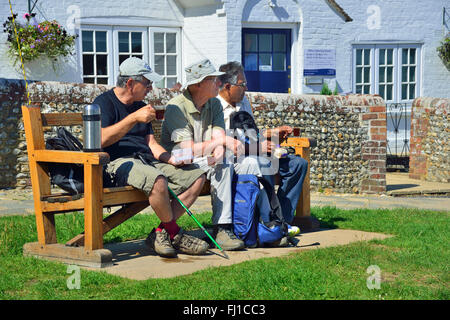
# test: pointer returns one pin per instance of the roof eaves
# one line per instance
(339, 9)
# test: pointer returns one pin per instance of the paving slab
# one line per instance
(133, 260)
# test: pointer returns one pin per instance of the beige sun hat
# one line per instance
(196, 72)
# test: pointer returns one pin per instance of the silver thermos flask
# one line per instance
(92, 128)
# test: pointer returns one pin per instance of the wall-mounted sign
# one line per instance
(319, 62)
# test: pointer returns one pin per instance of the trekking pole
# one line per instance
(139, 156)
(198, 223)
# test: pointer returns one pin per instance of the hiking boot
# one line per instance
(159, 241)
(283, 242)
(227, 240)
(188, 244)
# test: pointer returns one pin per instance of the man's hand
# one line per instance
(284, 131)
(267, 146)
(173, 161)
(217, 155)
(145, 114)
(236, 146)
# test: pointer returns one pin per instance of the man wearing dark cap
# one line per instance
(126, 133)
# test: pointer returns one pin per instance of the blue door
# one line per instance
(266, 55)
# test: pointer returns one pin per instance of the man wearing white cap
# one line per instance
(194, 122)
(127, 135)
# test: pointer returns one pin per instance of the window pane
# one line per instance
(123, 42)
(159, 65)
(404, 74)
(412, 74)
(366, 75)
(251, 43)
(122, 58)
(412, 91)
(100, 41)
(171, 42)
(279, 42)
(102, 80)
(88, 64)
(358, 89)
(366, 89)
(159, 42)
(89, 80)
(171, 82)
(88, 42)
(102, 64)
(265, 42)
(383, 74)
(367, 57)
(390, 74)
(250, 62)
(382, 56)
(382, 92)
(389, 91)
(359, 57)
(390, 56)
(172, 65)
(404, 91)
(265, 63)
(359, 75)
(138, 56)
(136, 41)
(404, 56)
(279, 62)
(412, 56)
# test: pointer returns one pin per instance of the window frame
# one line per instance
(397, 68)
(112, 36)
(110, 66)
(116, 52)
(178, 53)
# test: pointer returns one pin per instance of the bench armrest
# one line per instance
(61, 156)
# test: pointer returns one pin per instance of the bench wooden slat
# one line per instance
(61, 119)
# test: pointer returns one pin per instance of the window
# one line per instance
(363, 71)
(96, 60)
(166, 56)
(392, 71)
(105, 48)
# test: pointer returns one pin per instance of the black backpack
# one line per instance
(245, 129)
(69, 176)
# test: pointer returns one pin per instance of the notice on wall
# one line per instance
(319, 62)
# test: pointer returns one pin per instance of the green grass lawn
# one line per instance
(413, 263)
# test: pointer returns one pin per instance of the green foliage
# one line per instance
(327, 91)
(444, 51)
(44, 39)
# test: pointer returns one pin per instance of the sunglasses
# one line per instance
(243, 84)
(147, 84)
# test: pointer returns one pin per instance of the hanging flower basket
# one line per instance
(46, 39)
(444, 51)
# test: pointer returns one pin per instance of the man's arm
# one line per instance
(159, 152)
(115, 132)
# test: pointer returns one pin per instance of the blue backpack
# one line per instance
(247, 224)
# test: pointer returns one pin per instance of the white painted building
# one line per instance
(356, 37)
(385, 47)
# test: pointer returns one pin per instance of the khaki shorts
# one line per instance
(133, 172)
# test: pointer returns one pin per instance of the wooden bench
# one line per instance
(86, 249)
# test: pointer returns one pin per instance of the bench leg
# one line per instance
(303, 218)
(93, 208)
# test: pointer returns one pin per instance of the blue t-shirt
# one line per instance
(113, 111)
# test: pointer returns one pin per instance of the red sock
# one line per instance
(171, 227)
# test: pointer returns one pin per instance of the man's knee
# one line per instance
(160, 185)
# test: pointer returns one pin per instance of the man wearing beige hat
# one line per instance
(127, 136)
(194, 125)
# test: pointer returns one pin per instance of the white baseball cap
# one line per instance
(137, 67)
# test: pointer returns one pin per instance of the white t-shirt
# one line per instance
(228, 109)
